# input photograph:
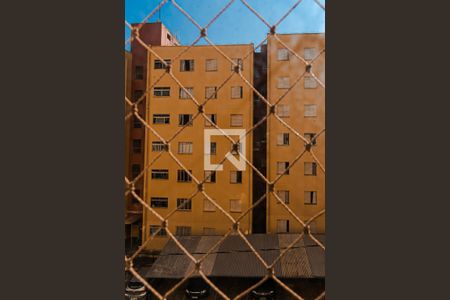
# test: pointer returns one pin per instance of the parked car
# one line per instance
(135, 290)
(265, 291)
(197, 288)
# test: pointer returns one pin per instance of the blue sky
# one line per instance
(237, 25)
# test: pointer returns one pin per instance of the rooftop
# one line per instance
(233, 258)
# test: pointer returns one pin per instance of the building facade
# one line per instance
(151, 34)
(205, 74)
(302, 107)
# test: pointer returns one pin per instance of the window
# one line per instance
(185, 147)
(161, 91)
(236, 120)
(159, 202)
(283, 139)
(210, 176)
(235, 176)
(282, 110)
(159, 64)
(211, 65)
(136, 146)
(209, 231)
(310, 82)
(282, 166)
(211, 92)
(310, 110)
(208, 206)
(213, 118)
(137, 94)
(213, 148)
(310, 168)
(310, 197)
(139, 72)
(309, 137)
(161, 119)
(239, 62)
(283, 82)
(160, 174)
(235, 205)
(184, 204)
(309, 53)
(282, 226)
(183, 176)
(158, 146)
(154, 229)
(185, 120)
(183, 230)
(135, 170)
(169, 37)
(186, 65)
(284, 196)
(184, 94)
(236, 92)
(283, 54)
(136, 122)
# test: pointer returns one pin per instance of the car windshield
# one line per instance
(196, 284)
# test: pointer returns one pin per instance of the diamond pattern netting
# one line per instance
(132, 108)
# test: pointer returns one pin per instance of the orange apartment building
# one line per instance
(205, 73)
(303, 108)
(271, 147)
(136, 81)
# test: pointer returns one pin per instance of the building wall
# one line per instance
(296, 182)
(127, 68)
(222, 191)
(151, 34)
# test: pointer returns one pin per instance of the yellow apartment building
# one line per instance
(303, 108)
(205, 74)
(131, 216)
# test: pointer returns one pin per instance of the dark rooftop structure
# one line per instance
(234, 258)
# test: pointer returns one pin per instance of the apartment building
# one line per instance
(151, 34)
(205, 74)
(302, 108)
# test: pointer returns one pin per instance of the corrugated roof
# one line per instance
(234, 258)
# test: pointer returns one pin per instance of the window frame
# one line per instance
(216, 65)
(313, 168)
(212, 178)
(183, 95)
(241, 92)
(186, 206)
(165, 117)
(238, 176)
(183, 65)
(189, 145)
(183, 176)
(154, 172)
(287, 54)
(313, 200)
(161, 91)
(159, 200)
(305, 109)
(158, 65)
(181, 117)
(237, 115)
(286, 165)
